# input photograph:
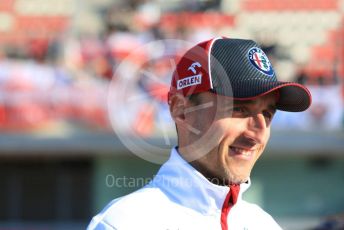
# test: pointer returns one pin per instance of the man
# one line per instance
(223, 97)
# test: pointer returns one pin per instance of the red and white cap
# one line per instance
(235, 68)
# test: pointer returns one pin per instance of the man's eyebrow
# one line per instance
(271, 107)
(243, 102)
(240, 102)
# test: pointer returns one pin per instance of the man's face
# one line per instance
(240, 131)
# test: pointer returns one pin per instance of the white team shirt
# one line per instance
(180, 198)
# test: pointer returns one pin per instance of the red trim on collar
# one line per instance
(230, 201)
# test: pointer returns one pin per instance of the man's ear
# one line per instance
(177, 104)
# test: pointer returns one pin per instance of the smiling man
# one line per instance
(223, 96)
(243, 130)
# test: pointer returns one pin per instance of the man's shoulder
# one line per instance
(137, 207)
(138, 199)
(258, 215)
(254, 208)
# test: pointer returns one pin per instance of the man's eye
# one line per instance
(238, 109)
(268, 115)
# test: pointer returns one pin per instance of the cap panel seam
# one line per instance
(209, 55)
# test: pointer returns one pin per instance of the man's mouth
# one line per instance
(237, 151)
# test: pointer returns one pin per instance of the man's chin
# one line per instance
(239, 179)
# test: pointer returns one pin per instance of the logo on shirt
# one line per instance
(195, 79)
(260, 61)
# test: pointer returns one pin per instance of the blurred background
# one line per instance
(60, 159)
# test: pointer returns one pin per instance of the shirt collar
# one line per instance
(186, 186)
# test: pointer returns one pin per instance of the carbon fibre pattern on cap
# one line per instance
(235, 76)
(245, 79)
(239, 69)
(294, 98)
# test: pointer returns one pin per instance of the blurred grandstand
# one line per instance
(58, 57)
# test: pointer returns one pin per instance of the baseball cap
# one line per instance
(235, 68)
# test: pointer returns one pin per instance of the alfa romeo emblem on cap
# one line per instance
(260, 61)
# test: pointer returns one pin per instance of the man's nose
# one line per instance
(257, 125)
